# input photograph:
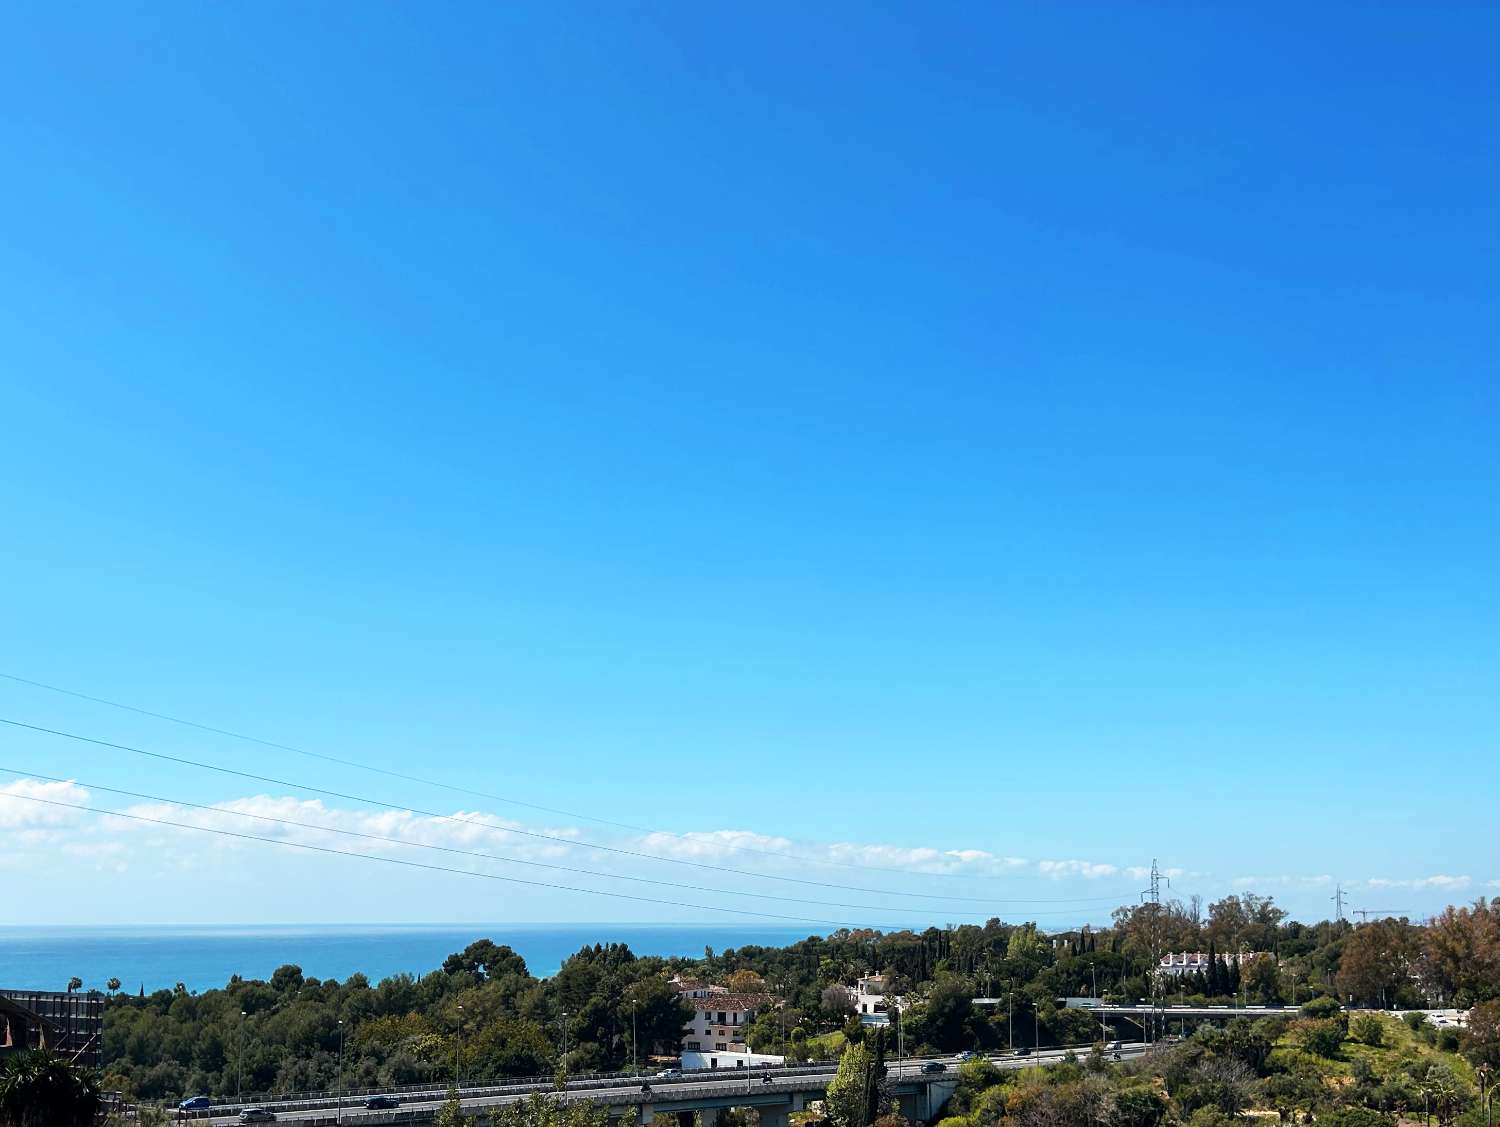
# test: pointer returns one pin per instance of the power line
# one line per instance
(498, 797)
(183, 761)
(491, 857)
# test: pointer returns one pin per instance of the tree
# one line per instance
(38, 1089)
(1261, 979)
(75, 983)
(849, 1102)
(113, 985)
(1482, 1038)
(486, 959)
(1376, 962)
(836, 1003)
(746, 981)
(659, 1015)
(1462, 953)
(949, 1004)
(451, 1113)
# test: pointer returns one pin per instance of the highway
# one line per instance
(703, 1089)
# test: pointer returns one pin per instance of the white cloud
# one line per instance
(1321, 880)
(1437, 880)
(742, 848)
(1088, 870)
(16, 813)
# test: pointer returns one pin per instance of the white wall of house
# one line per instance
(747, 1059)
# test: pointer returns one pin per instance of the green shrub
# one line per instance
(1368, 1030)
(1356, 1117)
(1321, 1007)
(1321, 1038)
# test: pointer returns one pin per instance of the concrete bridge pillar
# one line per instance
(799, 1101)
(773, 1116)
(647, 1115)
(709, 1115)
(911, 1106)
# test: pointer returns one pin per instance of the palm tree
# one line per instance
(38, 1089)
(75, 983)
(113, 985)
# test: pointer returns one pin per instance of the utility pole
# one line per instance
(1338, 899)
(1154, 893)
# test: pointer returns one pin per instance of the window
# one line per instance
(721, 1046)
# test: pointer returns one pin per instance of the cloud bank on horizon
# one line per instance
(55, 823)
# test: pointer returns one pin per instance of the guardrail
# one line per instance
(516, 1086)
(693, 1084)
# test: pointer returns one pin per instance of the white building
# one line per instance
(694, 1059)
(719, 1021)
(1191, 962)
(871, 1002)
(692, 988)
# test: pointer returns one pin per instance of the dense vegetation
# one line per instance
(483, 1014)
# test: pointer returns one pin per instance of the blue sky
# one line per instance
(1064, 433)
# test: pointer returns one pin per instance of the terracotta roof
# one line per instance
(729, 1002)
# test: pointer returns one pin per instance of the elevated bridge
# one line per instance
(773, 1092)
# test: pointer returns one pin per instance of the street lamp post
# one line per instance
(458, 1040)
(239, 1064)
(562, 1062)
(635, 1055)
(339, 1115)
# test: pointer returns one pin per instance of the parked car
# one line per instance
(382, 1103)
(669, 1074)
(934, 1066)
(195, 1103)
(257, 1115)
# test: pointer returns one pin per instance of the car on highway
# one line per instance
(967, 1054)
(382, 1103)
(934, 1066)
(195, 1103)
(257, 1115)
(1114, 1044)
(1023, 1051)
(669, 1074)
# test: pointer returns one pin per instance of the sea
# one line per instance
(204, 957)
